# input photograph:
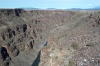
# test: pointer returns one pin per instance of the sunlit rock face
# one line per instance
(49, 38)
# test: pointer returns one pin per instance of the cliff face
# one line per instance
(61, 38)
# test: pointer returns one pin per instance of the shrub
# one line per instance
(75, 46)
(71, 63)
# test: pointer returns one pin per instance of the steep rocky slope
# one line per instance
(55, 37)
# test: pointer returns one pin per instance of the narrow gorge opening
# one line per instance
(37, 60)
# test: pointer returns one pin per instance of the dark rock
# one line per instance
(24, 28)
(4, 53)
(18, 12)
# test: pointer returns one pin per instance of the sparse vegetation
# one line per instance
(75, 46)
(71, 63)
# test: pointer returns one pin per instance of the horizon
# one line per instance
(44, 4)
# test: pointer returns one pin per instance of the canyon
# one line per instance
(49, 37)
